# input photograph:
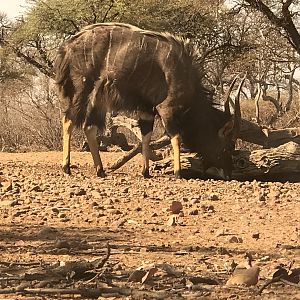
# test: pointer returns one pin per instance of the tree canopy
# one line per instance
(257, 36)
(231, 39)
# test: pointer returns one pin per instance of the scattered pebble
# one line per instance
(193, 212)
(235, 239)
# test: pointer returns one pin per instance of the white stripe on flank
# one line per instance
(137, 57)
(142, 42)
(109, 48)
(84, 50)
(170, 50)
(92, 48)
(156, 47)
(126, 50)
(119, 46)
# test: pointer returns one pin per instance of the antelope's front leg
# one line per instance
(167, 113)
(68, 126)
(175, 141)
(91, 135)
(146, 122)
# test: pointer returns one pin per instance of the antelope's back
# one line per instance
(139, 64)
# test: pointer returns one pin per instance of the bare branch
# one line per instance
(108, 10)
(285, 22)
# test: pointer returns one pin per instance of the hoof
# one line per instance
(101, 173)
(178, 175)
(146, 174)
(67, 169)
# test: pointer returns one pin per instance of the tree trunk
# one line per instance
(281, 163)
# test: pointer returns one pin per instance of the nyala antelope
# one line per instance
(119, 67)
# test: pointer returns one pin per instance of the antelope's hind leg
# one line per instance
(68, 126)
(91, 135)
(146, 122)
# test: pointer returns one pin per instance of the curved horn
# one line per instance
(227, 98)
(237, 110)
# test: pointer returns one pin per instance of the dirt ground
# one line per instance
(48, 219)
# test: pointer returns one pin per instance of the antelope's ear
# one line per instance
(227, 129)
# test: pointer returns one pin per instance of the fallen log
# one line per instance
(281, 163)
(129, 123)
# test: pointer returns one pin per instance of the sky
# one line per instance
(12, 8)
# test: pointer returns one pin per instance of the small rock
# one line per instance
(235, 239)
(7, 186)
(195, 201)
(62, 215)
(137, 276)
(18, 213)
(95, 194)
(261, 197)
(176, 207)
(62, 244)
(245, 277)
(55, 210)
(193, 212)
(16, 190)
(108, 202)
(36, 188)
(14, 203)
(115, 211)
(255, 235)
(121, 223)
(48, 233)
(172, 221)
(65, 220)
(207, 208)
(80, 192)
(265, 258)
(214, 197)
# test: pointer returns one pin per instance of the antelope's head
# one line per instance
(222, 149)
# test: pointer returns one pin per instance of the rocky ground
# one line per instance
(64, 234)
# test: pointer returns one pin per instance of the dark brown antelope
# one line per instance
(113, 66)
